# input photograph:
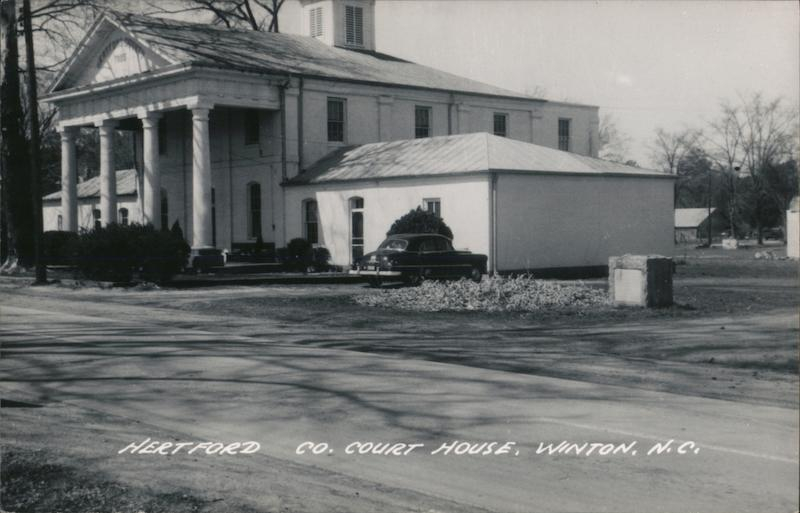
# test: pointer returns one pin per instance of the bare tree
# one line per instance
(726, 149)
(669, 149)
(13, 148)
(252, 14)
(768, 134)
(34, 146)
(614, 144)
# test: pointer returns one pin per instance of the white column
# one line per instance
(108, 176)
(201, 179)
(69, 178)
(151, 190)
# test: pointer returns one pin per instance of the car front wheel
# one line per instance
(476, 274)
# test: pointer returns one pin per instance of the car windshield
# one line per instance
(394, 244)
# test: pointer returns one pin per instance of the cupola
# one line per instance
(344, 23)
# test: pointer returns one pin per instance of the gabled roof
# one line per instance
(691, 217)
(126, 185)
(454, 154)
(179, 42)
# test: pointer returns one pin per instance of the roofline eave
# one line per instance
(485, 172)
(77, 92)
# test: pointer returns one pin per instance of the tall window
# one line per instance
(162, 136)
(354, 25)
(60, 222)
(164, 210)
(356, 228)
(335, 119)
(422, 122)
(500, 124)
(254, 210)
(563, 134)
(434, 206)
(97, 220)
(123, 216)
(251, 126)
(315, 22)
(310, 221)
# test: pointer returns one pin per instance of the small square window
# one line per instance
(422, 122)
(501, 124)
(433, 205)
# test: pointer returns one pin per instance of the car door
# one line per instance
(453, 264)
(431, 258)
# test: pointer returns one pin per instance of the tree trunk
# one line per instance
(35, 147)
(13, 146)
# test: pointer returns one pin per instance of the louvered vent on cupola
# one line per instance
(345, 23)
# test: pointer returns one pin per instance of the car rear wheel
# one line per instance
(415, 280)
(476, 274)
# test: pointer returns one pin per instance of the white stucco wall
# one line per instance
(546, 221)
(51, 210)
(793, 234)
(464, 203)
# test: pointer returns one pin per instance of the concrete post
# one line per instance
(69, 181)
(152, 174)
(108, 177)
(201, 179)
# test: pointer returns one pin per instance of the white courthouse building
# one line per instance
(242, 133)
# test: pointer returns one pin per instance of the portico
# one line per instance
(139, 103)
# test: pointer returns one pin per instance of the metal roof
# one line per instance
(691, 217)
(455, 154)
(257, 51)
(126, 185)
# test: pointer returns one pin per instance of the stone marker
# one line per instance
(640, 280)
(730, 243)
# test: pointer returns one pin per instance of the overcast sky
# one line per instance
(649, 63)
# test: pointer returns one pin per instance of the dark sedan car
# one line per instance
(415, 257)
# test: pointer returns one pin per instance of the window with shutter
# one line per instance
(354, 25)
(315, 21)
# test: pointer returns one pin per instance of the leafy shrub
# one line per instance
(420, 221)
(300, 255)
(58, 248)
(493, 294)
(116, 253)
(320, 259)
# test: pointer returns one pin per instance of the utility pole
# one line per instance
(35, 147)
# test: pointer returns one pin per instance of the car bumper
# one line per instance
(377, 272)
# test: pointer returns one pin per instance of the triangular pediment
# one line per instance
(108, 52)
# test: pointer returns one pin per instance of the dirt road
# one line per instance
(107, 376)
